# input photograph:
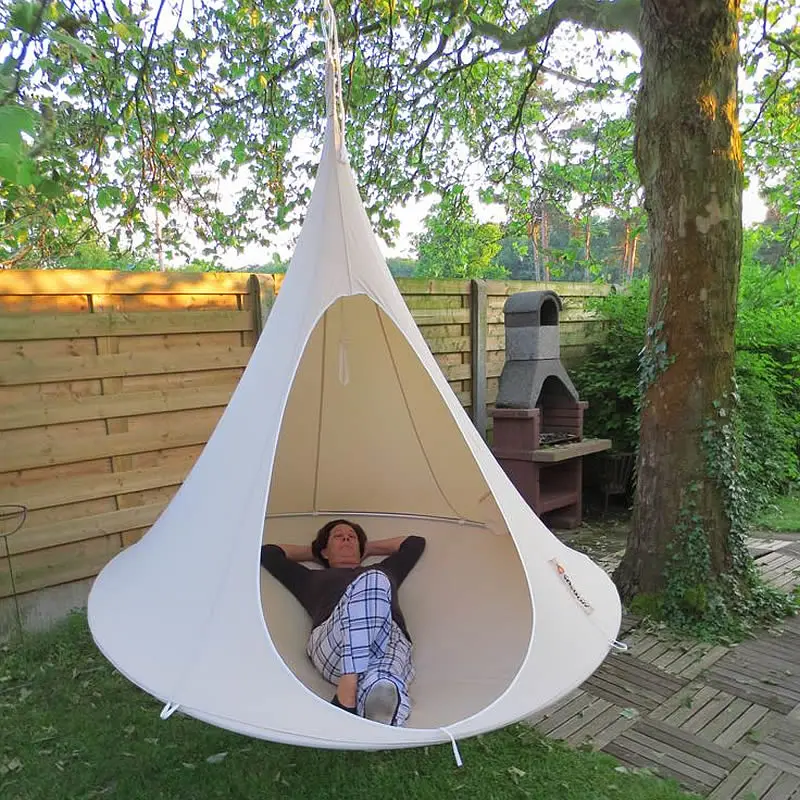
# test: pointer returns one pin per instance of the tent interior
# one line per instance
(367, 435)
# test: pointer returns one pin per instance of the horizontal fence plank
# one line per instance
(26, 327)
(561, 288)
(72, 562)
(440, 316)
(112, 406)
(82, 281)
(461, 344)
(65, 491)
(69, 531)
(425, 286)
(496, 316)
(79, 368)
(19, 457)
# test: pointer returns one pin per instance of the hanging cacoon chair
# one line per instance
(343, 411)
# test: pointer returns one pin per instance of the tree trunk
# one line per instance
(545, 243)
(632, 257)
(688, 153)
(587, 238)
(626, 248)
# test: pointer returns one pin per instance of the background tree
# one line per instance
(454, 244)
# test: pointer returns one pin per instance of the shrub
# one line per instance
(608, 377)
(767, 376)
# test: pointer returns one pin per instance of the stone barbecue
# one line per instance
(538, 415)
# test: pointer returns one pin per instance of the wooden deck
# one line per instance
(722, 721)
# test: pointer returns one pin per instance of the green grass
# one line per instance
(782, 516)
(72, 727)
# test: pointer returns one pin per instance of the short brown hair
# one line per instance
(324, 534)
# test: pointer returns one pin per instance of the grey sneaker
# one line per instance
(382, 702)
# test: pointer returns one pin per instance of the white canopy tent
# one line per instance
(343, 411)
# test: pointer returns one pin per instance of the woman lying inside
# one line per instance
(359, 640)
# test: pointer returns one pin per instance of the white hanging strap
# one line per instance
(333, 78)
(168, 710)
(456, 754)
(618, 645)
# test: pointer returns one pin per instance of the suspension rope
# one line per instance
(333, 78)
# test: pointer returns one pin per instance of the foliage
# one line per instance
(782, 515)
(402, 267)
(115, 115)
(608, 377)
(713, 601)
(73, 727)
(454, 244)
(767, 373)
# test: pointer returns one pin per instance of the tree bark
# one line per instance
(688, 152)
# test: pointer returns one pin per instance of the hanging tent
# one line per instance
(342, 411)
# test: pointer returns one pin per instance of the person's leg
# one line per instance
(383, 688)
(354, 636)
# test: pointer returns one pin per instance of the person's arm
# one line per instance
(401, 562)
(277, 562)
(297, 552)
(294, 576)
(384, 547)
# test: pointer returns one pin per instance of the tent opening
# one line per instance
(367, 435)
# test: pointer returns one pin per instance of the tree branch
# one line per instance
(600, 15)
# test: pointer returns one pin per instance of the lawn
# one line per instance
(72, 727)
(783, 515)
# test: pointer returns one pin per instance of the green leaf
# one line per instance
(49, 188)
(13, 121)
(104, 198)
(9, 162)
(23, 17)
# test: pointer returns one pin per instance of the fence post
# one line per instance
(261, 294)
(477, 317)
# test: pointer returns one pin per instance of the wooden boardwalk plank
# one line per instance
(602, 729)
(621, 694)
(759, 784)
(566, 712)
(692, 745)
(535, 719)
(684, 766)
(696, 668)
(580, 720)
(751, 689)
(686, 697)
(736, 780)
(785, 788)
(680, 715)
(782, 747)
(633, 755)
(713, 714)
(741, 727)
(729, 716)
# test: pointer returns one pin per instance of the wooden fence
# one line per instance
(111, 383)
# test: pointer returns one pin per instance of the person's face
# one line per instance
(342, 549)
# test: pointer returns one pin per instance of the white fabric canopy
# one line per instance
(343, 411)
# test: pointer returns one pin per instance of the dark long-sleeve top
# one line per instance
(319, 590)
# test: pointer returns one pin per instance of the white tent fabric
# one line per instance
(343, 411)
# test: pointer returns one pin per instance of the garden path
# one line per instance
(723, 721)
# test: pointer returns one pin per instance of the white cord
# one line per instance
(456, 754)
(333, 78)
(168, 710)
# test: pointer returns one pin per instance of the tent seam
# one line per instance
(411, 416)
